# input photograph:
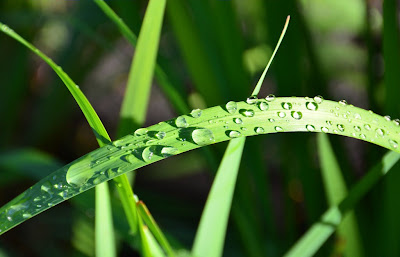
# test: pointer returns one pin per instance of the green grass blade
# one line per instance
(210, 235)
(134, 106)
(282, 114)
(317, 235)
(153, 227)
(150, 247)
(336, 191)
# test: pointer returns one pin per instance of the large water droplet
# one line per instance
(270, 98)
(181, 122)
(140, 132)
(325, 129)
(286, 105)
(310, 127)
(312, 106)
(168, 151)
(380, 132)
(231, 107)
(160, 135)
(234, 133)
(259, 130)
(263, 106)
(202, 136)
(393, 143)
(296, 115)
(277, 128)
(238, 120)
(196, 113)
(318, 99)
(340, 127)
(247, 113)
(281, 114)
(148, 153)
(252, 99)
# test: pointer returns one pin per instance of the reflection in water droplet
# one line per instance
(380, 132)
(247, 113)
(263, 106)
(357, 128)
(281, 114)
(202, 136)
(259, 130)
(140, 132)
(340, 127)
(234, 133)
(310, 127)
(252, 99)
(277, 128)
(168, 151)
(181, 122)
(393, 143)
(312, 106)
(270, 98)
(238, 120)
(196, 113)
(231, 107)
(286, 105)
(296, 115)
(318, 99)
(325, 129)
(160, 135)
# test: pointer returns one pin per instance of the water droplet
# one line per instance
(238, 120)
(340, 127)
(388, 118)
(26, 216)
(329, 122)
(181, 122)
(168, 151)
(247, 113)
(140, 132)
(312, 106)
(130, 158)
(160, 135)
(281, 114)
(270, 98)
(263, 106)
(277, 128)
(9, 218)
(380, 132)
(396, 122)
(362, 136)
(357, 128)
(196, 113)
(234, 133)
(46, 187)
(296, 115)
(231, 107)
(202, 136)
(343, 102)
(148, 153)
(286, 105)
(259, 130)
(318, 99)
(252, 99)
(271, 120)
(393, 143)
(310, 127)
(357, 116)
(367, 127)
(325, 129)
(243, 128)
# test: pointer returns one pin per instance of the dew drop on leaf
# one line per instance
(296, 115)
(380, 132)
(247, 113)
(238, 120)
(312, 106)
(130, 158)
(318, 99)
(362, 136)
(196, 113)
(160, 135)
(325, 129)
(252, 99)
(393, 143)
(234, 133)
(271, 120)
(357, 128)
(140, 132)
(231, 107)
(310, 127)
(277, 128)
(343, 102)
(286, 105)
(367, 127)
(388, 118)
(270, 98)
(263, 106)
(259, 130)
(202, 136)
(181, 122)
(148, 153)
(168, 151)
(281, 114)
(340, 127)
(396, 122)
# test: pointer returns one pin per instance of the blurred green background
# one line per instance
(212, 51)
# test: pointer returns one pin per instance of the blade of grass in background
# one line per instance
(134, 106)
(104, 241)
(317, 235)
(150, 247)
(210, 235)
(336, 191)
(390, 223)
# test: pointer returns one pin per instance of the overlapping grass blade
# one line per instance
(150, 247)
(137, 150)
(317, 235)
(336, 191)
(210, 235)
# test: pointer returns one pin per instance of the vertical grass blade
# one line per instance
(336, 191)
(317, 235)
(134, 106)
(210, 236)
(150, 247)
